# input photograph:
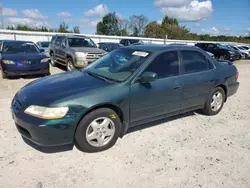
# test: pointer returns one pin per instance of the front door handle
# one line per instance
(176, 87)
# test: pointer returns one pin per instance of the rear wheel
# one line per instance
(215, 102)
(98, 131)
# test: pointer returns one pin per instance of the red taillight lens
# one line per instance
(237, 75)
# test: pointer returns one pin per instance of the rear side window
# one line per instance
(194, 61)
(165, 65)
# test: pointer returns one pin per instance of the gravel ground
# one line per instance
(190, 150)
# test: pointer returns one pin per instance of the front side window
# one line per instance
(19, 47)
(194, 61)
(165, 65)
(58, 41)
(118, 65)
(81, 42)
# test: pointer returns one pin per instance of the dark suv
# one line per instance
(219, 51)
(73, 51)
(127, 42)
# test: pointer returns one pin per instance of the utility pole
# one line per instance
(1, 14)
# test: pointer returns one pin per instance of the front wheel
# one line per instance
(52, 60)
(215, 102)
(98, 131)
(70, 65)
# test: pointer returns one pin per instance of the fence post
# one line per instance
(14, 36)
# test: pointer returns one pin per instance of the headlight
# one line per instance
(44, 60)
(8, 62)
(81, 54)
(46, 113)
(231, 52)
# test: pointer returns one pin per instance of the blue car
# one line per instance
(19, 58)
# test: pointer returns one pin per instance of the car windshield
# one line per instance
(113, 46)
(81, 42)
(223, 46)
(119, 64)
(241, 48)
(44, 44)
(19, 47)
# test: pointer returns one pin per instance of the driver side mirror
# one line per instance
(41, 50)
(147, 77)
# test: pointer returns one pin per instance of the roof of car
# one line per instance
(73, 36)
(15, 41)
(158, 47)
(108, 43)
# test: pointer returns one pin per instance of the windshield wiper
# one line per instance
(100, 77)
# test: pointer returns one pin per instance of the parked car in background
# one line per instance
(127, 87)
(18, 58)
(109, 46)
(73, 51)
(127, 42)
(219, 51)
(44, 45)
(243, 51)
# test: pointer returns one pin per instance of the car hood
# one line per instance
(64, 86)
(89, 50)
(23, 56)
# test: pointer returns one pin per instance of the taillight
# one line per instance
(237, 75)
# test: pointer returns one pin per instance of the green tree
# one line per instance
(63, 28)
(171, 21)
(108, 25)
(154, 30)
(76, 29)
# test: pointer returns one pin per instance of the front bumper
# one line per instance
(43, 132)
(14, 70)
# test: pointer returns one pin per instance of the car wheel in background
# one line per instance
(98, 131)
(70, 65)
(222, 57)
(215, 102)
(52, 60)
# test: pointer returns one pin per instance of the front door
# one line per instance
(158, 97)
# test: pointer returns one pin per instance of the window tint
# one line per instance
(194, 61)
(165, 65)
(58, 41)
(211, 46)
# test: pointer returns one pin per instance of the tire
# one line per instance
(222, 57)
(213, 109)
(87, 137)
(69, 65)
(52, 60)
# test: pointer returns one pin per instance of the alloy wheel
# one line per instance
(216, 101)
(100, 132)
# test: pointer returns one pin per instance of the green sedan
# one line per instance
(94, 106)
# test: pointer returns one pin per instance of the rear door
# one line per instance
(159, 97)
(198, 78)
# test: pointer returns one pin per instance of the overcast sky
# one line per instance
(215, 17)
